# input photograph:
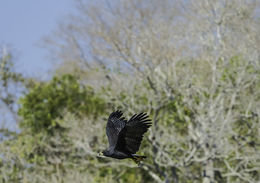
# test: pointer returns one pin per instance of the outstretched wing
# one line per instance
(131, 136)
(115, 124)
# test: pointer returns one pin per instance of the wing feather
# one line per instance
(115, 124)
(131, 137)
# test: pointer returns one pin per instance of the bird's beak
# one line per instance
(100, 154)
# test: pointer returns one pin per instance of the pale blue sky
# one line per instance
(23, 23)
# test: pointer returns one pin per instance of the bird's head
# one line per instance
(103, 153)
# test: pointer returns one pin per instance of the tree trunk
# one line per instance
(208, 172)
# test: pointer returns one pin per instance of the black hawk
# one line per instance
(124, 136)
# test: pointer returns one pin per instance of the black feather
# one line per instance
(135, 129)
(114, 125)
(125, 137)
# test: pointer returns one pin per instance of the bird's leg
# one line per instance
(137, 159)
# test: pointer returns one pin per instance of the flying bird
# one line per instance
(124, 136)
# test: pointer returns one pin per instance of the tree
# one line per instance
(11, 83)
(11, 86)
(43, 146)
(182, 62)
(46, 102)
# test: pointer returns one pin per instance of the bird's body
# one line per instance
(124, 136)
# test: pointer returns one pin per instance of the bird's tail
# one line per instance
(137, 158)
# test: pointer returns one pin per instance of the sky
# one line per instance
(23, 24)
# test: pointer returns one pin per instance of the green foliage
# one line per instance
(47, 101)
(9, 81)
(6, 71)
(44, 135)
(179, 114)
(47, 140)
